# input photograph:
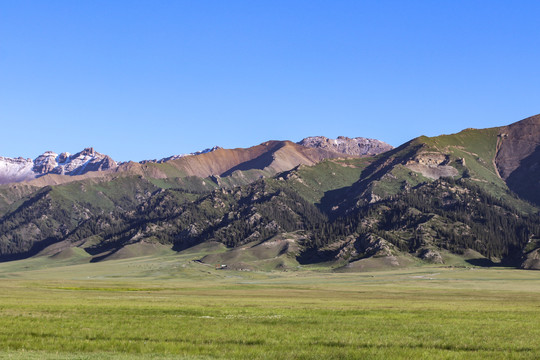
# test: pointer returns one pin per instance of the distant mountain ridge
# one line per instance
(306, 152)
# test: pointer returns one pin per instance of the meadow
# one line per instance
(168, 307)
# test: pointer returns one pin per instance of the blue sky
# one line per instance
(148, 79)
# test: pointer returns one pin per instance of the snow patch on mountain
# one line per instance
(15, 169)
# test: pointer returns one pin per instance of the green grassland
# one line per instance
(167, 306)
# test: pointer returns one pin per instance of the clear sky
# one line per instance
(148, 79)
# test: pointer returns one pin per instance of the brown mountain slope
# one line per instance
(273, 156)
(518, 157)
(517, 142)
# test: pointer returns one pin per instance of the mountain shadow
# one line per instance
(259, 163)
(525, 180)
(348, 197)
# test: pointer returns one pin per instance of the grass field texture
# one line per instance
(169, 307)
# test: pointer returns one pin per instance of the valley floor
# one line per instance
(169, 307)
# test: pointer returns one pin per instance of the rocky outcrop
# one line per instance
(356, 146)
(431, 165)
(431, 256)
(429, 159)
(368, 245)
(531, 260)
(376, 246)
(45, 163)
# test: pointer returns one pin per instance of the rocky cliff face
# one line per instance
(356, 146)
(517, 142)
(432, 165)
(518, 157)
(19, 169)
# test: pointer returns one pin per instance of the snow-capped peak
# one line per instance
(19, 169)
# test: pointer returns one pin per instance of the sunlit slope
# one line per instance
(469, 155)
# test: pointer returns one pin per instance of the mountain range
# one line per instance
(350, 203)
(89, 160)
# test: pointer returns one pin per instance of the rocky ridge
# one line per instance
(358, 146)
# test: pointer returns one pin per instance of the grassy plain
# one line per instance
(169, 307)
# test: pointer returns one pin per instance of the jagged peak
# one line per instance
(47, 154)
(88, 151)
